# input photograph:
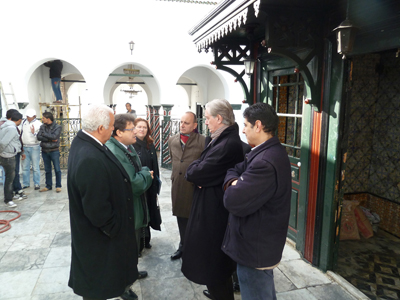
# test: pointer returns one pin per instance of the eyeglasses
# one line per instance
(129, 129)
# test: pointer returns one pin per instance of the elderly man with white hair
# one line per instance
(104, 250)
(29, 130)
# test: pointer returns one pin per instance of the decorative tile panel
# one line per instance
(373, 164)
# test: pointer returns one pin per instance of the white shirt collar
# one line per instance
(87, 133)
(126, 147)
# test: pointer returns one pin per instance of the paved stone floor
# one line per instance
(35, 258)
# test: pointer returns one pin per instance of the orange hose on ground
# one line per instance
(6, 223)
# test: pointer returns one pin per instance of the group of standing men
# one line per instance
(21, 141)
(232, 211)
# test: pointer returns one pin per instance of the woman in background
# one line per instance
(144, 147)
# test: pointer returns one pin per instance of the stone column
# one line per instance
(166, 133)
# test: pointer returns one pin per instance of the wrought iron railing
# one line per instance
(70, 128)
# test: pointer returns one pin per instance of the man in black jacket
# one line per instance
(49, 135)
(257, 197)
(104, 250)
(56, 67)
(203, 261)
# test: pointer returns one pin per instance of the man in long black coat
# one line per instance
(203, 261)
(104, 251)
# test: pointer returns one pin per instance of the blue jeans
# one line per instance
(16, 183)
(48, 158)
(32, 156)
(55, 84)
(256, 284)
(8, 165)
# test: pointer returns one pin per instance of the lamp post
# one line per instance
(131, 46)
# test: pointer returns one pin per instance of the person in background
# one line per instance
(49, 135)
(104, 251)
(257, 196)
(56, 67)
(17, 187)
(144, 147)
(130, 110)
(29, 130)
(141, 178)
(203, 261)
(10, 146)
(184, 148)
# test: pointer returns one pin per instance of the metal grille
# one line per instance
(70, 128)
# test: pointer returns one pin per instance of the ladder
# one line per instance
(5, 94)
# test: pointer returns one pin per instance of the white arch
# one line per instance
(151, 86)
(38, 84)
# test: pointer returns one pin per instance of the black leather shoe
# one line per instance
(129, 295)
(207, 294)
(148, 246)
(142, 274)
(177, 255)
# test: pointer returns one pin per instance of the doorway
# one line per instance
(372, 175)
(286, 94)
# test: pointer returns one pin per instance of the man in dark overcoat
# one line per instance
(104, 251)
(203, 261)
(257, 195)
(184, 148)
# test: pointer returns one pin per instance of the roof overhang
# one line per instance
(226, 18)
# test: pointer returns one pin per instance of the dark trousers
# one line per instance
(223, 291)
(48, 158)
(16, 183)
(182, 224)
(8, 165)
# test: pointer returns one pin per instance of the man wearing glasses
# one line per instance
(120, 144)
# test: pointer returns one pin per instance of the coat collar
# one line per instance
(103, 149)
(267, 144)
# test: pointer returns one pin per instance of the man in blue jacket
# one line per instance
(257, 197)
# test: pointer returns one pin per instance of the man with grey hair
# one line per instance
(104, 250)
(203, 261)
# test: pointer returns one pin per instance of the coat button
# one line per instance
(130, 218)
(126, 180)
(180, 173)
(181, 160)
(129, 199)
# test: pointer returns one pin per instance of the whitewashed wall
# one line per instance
(92, 39)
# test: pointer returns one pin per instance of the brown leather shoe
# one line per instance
(45, 189)
(58, 190)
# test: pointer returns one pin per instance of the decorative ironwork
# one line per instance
(70, 128)
(223, 30)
